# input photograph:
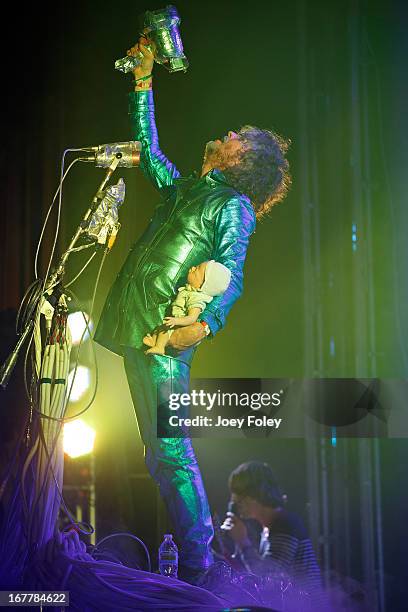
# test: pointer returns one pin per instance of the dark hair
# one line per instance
(262, 173)
(256, 479)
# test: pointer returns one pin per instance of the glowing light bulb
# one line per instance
(79, 438)
(80, 383)
(77, 326)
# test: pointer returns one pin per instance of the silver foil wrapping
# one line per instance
(162, 27)
(130, 152)
(104, 222)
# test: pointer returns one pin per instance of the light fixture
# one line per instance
(79, 438)
(80, 383)
(77, 326)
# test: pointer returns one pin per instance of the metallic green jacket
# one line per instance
(196, 220)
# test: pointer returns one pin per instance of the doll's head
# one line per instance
(211, 277)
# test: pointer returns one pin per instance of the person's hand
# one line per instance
(184, 337)
(170, 321)
(146, 66)
(236, 528)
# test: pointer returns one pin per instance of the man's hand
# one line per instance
(184, 337)
(146, 66)
(236, 528)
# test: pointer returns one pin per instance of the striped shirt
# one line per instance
(285, 548)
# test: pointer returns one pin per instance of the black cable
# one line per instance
(83, 335)
(128, 535)
(35, 293)
(59, 191)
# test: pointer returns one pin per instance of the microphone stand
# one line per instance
(55, 279)
(9, 364)
(59, 272)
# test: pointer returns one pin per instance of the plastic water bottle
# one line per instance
(168, 557)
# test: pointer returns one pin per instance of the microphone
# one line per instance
(128, 154)
(232, 509)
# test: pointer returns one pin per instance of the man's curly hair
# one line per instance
(262, 173)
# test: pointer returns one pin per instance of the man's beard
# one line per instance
(210, 152)
(211, 146)
(216, 157)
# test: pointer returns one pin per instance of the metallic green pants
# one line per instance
(171, 461)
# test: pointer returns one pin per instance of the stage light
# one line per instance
(81, 383)
(77, 325)
(79, 438)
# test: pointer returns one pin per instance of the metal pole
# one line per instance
(92, 498)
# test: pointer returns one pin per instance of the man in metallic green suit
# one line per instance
(197, 219)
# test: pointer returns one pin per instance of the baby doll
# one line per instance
(208, 279)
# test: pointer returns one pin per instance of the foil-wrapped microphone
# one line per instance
(127, 152)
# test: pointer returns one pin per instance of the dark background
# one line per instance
(287, 66)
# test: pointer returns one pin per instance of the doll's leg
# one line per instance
(150, 339)
(159, 348)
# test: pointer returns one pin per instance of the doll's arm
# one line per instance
(191, 318)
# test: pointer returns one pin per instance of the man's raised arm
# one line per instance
(153, 162)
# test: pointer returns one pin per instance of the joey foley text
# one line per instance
(210, 401)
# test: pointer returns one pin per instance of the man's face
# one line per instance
(196, 275)
(247, 506)
(224, 153)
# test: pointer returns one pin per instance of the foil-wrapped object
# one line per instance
(129, 152)
(104, 223)
(162, 27)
